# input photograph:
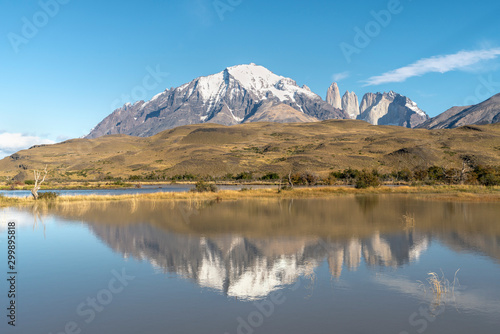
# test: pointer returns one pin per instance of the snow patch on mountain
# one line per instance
(255, 79)
(413, 106)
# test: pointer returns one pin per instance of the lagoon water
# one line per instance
(354, 264)
(120, 191)
(145, 189)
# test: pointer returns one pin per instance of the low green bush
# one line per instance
(271, 176)
(244, 176)
(306, 178)
(49, 195)
(204, 187)
(487, 176)
(366, 180)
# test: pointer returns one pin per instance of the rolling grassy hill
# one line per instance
(216, 150)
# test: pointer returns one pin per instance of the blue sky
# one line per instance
(87, 57)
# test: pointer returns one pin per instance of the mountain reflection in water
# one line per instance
(247, 249)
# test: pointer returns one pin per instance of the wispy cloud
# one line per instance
(436, 64)
(340, 76)
(13, 142)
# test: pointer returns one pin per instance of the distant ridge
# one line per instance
(486, 112)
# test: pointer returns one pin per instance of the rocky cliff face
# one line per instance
(350, 104)
(487, 112)
(333, 96)
(380, 108)
(391, 109)
(236, 95)
(369, 99)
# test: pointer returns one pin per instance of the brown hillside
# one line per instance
(211, 149)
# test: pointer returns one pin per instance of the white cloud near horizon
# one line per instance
(437, 64)
(340, 76)
(13, 142)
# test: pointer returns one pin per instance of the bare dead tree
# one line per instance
(467, 164)
(290, 183)
(38, 181)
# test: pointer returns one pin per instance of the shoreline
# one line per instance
(452, 193)
(134, 185)
(257, 184)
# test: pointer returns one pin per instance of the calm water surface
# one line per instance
(344, 265)
(146, 189)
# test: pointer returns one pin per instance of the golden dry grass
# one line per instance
(440, 287)
(216, 150)
(458, 193)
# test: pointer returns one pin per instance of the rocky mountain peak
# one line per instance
(350, 104)
(333, 96)
(391, 109)
(368, 100)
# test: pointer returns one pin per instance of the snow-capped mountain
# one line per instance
(391, 109)
(239, 94)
